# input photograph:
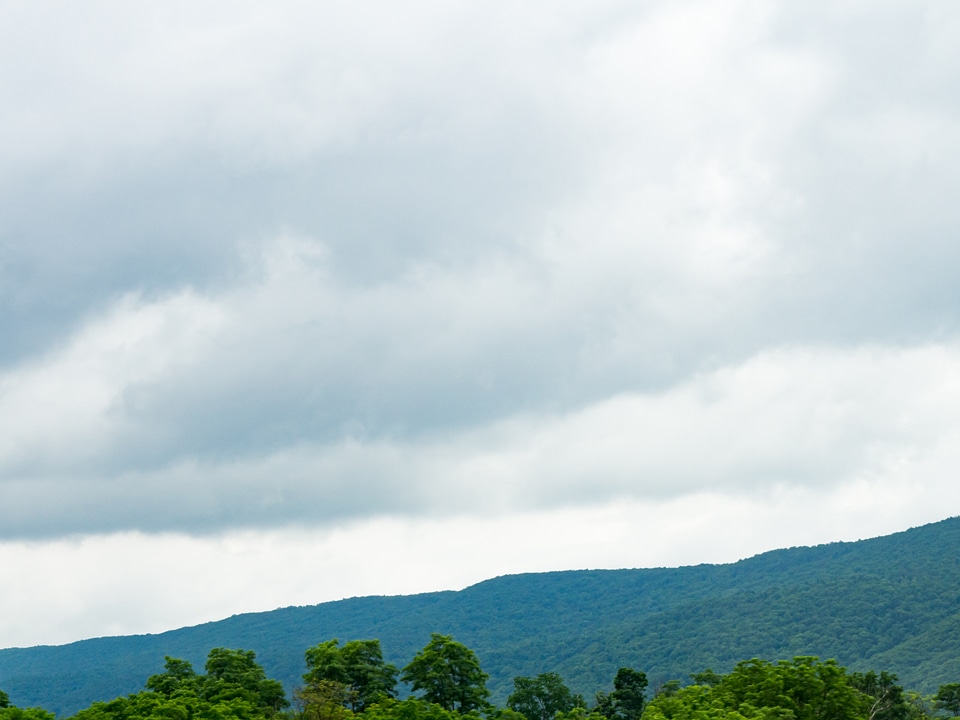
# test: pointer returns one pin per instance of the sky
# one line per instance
(308, 300)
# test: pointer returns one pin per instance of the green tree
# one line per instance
(920, 706)
(707, 677)
(883, 697)
(323, 700)
(11, 712)
(629, 694)
(805, 688)
(667, 688)
(948, 698)
(540, 698)
(154, 706)
(505, 713)
(579, 713)
(178, 676)
(34, 713)
(234, 687)
(358, 666)
(448, 674)
(409, 709)
(236, 674)
(697, 702)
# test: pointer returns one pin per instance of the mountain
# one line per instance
(889, 603)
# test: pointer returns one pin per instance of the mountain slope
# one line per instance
(887, 603)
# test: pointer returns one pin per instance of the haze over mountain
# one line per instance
(889, 603)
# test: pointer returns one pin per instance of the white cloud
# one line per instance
(292, 399)
(337, 267)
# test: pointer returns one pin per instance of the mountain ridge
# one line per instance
(890, 600)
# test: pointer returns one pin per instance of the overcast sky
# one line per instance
(305, 300)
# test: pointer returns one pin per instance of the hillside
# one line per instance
(889, 603)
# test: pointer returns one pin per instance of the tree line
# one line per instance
(353, 682)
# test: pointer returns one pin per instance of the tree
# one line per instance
(697, 702)
(236, 674)
(540, 698)
(805, 687)
(948, 698)
(629, 693)
(11, 712)
(800, 689)
(707, 677)
(178, 676)
(323, 700)
(358, 666)
(579, 713)
(409, 709)
(919, 706)
(883, 697)
(34, 713)
(235, 687)
(448, 673)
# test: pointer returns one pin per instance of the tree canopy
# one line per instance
(448, 674)
(541, 697)
(948, 698)
(352, 682)
(627, 700)
(235, 687)
(358, 667)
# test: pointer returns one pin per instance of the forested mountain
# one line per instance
(890, 603)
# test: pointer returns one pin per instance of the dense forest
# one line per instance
(354, 682)
(890, 603)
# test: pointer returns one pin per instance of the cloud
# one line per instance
(316, 265)
(140, 150)
(294, 398)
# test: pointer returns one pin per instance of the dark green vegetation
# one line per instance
(354, 682)
(890, 603)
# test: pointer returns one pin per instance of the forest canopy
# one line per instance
(444, 681)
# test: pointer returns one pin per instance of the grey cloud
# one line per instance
(237, 237)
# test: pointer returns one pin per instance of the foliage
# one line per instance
(883, 697)
(154, 706)
(448, 674)
(15, 713)
(178, 677)
(358, 666)
(948, 698)
(235, 687)
(919, 706)
(800, 689)
(889, 603)
(236, 674)
(542, 697)
(10, 712)
(805, 688)
(706, 677)
(409, 709)
(627, 700)
(579, 713)
(695, 703)
(323, 700)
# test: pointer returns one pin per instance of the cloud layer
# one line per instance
(301, 268)
(290, 398)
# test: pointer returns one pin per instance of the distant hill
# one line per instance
(890, 603)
